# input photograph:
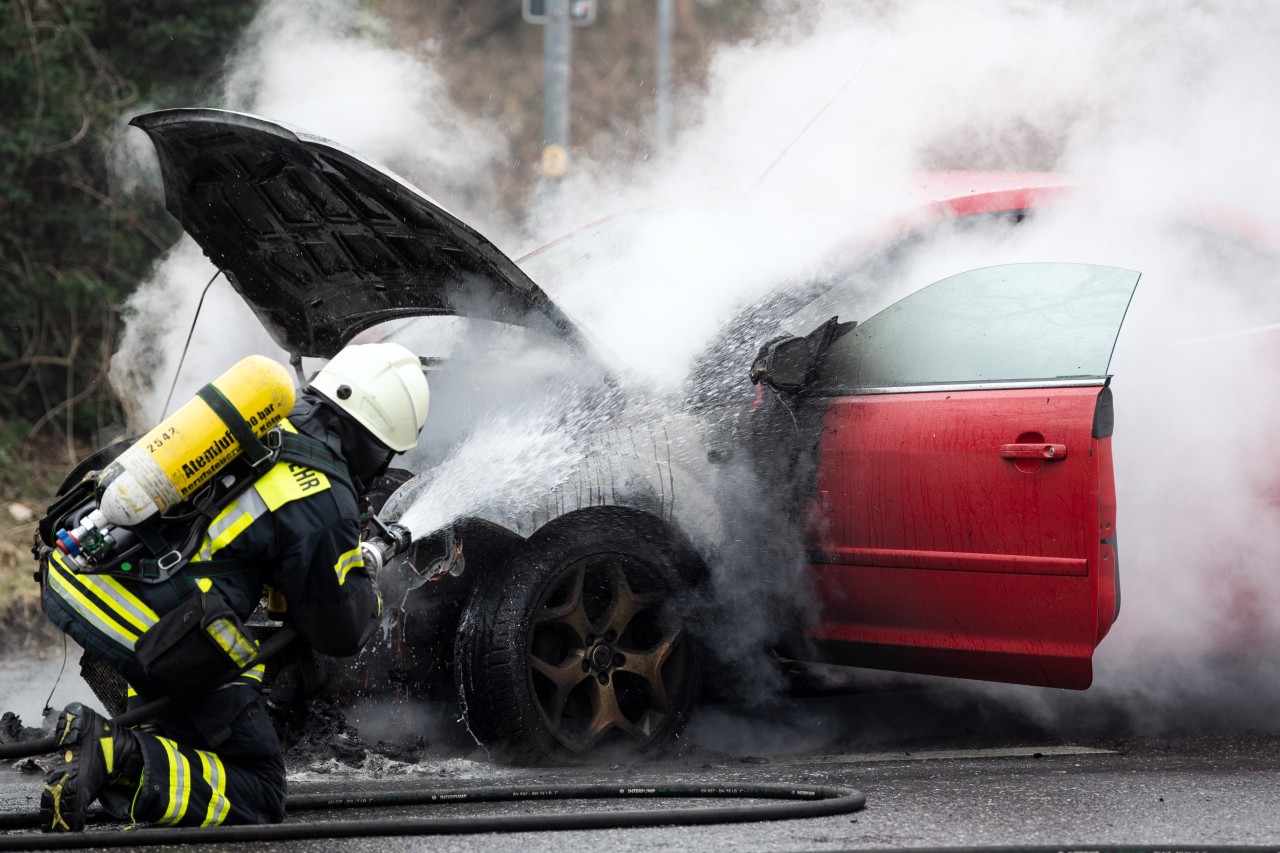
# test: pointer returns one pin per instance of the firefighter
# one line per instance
(217, 760)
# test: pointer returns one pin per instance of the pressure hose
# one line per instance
(798, 803)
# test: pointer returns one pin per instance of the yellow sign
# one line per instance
(555, 161)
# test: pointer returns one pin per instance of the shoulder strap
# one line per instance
(306, 451)
(172, 554)
(257, 453)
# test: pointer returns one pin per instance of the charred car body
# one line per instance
(939, 475)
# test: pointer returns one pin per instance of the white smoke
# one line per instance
(508, 461)
(1160, 106)
(146, 370)
(1164, 105)
(325, 66)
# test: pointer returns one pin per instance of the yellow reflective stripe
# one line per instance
(255, 673)
(171, 756)
(108, 752)
(249, 503)
(238, 647)
(204, 584)
(128, 605)
(230, 523)
(179, 783)
(184, 786)
(233, 530)
(215, 775)
(78, 601)
(288, 482)
(350, 560)
(112, 608)
(210, 778)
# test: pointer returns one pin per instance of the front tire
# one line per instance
(577, 647)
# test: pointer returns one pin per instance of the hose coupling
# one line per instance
(390, 540)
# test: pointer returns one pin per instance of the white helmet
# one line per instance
(382, 387)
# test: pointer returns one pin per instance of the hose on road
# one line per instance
(798, 803)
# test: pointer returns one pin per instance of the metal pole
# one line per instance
(556, 46)
(662, 95)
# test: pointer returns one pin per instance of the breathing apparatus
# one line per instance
(139, 516)
(118, 516)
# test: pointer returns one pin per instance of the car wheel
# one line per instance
(578, 647)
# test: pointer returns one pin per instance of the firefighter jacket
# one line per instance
(295, 530)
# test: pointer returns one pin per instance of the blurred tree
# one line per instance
(70, 251)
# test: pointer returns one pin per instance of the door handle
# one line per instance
(1052, 452)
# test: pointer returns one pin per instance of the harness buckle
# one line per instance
(169, 562)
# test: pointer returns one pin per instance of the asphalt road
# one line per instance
(939, 767)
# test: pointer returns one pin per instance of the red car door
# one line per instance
(964, 521)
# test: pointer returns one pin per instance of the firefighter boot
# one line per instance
(93, 754)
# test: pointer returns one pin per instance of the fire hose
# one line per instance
(799, 803)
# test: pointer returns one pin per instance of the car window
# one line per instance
(1016, 322)
(877, 279)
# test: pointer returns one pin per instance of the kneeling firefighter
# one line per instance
(170, 618)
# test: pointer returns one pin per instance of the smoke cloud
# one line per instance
(1159, 107)
(814, 132)
(323, 66)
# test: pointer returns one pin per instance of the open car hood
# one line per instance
(323, 244)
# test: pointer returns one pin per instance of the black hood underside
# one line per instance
(323, 244)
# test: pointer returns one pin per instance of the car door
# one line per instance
(964, 516)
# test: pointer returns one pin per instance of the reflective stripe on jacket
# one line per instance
(295, 530)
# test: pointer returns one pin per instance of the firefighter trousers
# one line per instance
(215, 763)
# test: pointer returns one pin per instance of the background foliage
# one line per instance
(70, 252)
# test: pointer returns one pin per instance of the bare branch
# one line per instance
(85, 124)
(27, 361)
(25, 7)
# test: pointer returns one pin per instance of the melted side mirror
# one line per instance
(782, 364)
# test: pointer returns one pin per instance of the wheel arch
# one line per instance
(688, 562)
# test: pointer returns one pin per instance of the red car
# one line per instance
(964, 521)
(943, 468)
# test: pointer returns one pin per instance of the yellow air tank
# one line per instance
(184, 452)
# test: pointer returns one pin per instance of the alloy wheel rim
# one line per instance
(606, 654)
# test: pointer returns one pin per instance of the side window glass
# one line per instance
(1035, 321)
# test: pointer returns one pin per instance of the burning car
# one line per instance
(938, 475)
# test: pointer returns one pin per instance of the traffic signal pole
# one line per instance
(556, 47)
(662, 92)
